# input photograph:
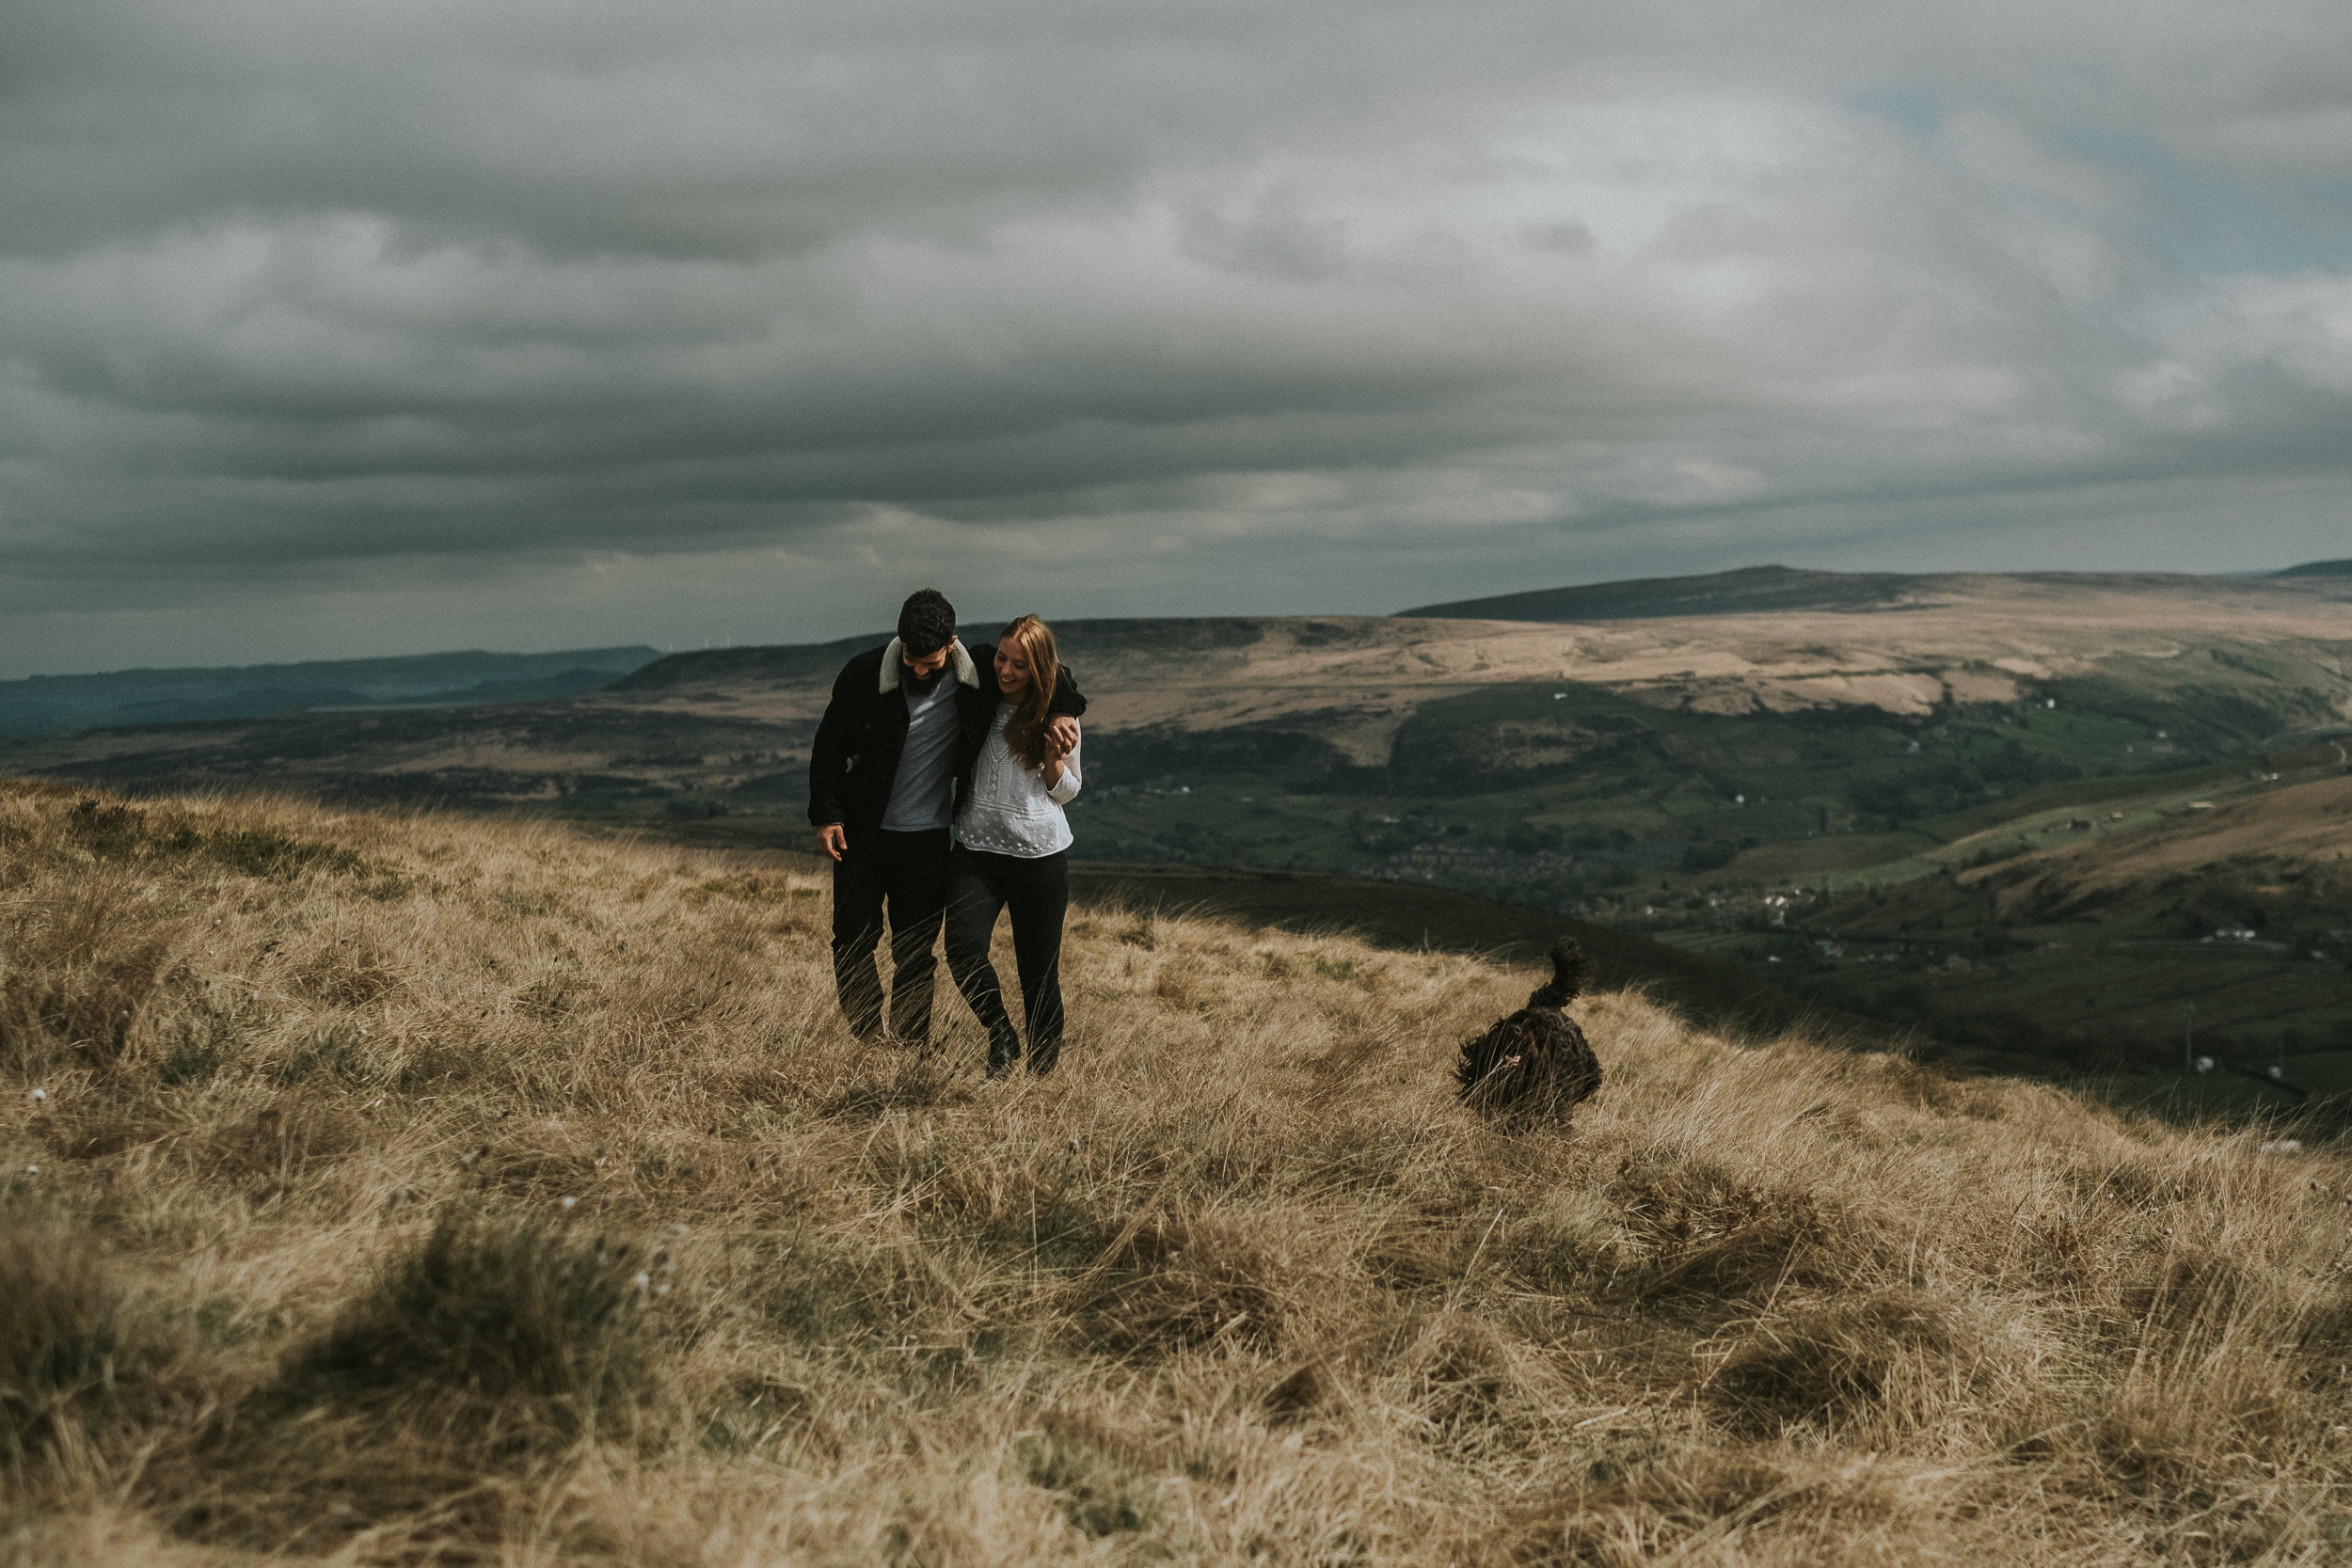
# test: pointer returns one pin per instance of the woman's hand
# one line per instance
(1061, 738)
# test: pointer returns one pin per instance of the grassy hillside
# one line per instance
(1810, 788)
(434, 1189)
(1389, 915)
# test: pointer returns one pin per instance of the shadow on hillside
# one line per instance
(2229, 1100)
(1408, 916)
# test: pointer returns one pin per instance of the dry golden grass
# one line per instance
(436, 1191)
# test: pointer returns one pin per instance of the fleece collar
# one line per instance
(966, 673)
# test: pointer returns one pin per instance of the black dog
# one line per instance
(1534, 1064)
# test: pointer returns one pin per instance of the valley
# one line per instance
(2010, 814)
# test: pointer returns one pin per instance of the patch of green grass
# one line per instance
(1099, 1496)
(119, 831)
(191, 1063)
(276, 857)
(816, 1298)
(340, 1054)
(201, 1050)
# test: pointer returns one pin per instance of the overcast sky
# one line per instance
(331, 328)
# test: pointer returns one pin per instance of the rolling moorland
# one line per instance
(2007, 812)
(401, 1188)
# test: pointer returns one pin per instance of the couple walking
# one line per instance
(936, 784)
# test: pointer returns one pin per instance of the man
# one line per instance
(893, 758)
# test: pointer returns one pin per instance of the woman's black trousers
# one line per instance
(1037, 892)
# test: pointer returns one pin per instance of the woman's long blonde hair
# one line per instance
(1025, 732)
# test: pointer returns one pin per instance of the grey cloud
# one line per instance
(369, 303)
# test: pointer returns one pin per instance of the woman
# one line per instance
(1012, 844)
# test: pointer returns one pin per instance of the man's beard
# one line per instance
(920, 685)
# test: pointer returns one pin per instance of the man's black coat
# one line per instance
(855, 758)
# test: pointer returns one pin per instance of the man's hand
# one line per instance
(1061, 736)
(833, 840)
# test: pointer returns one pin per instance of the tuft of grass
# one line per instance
(65, 1350)
(258, 852)
(1171, 1283)
(340, 1055)
(1889, 1354)
(84, 973)
(111, 830)
(469, 1373)
(201, 1047)
(1098, 1496)
(530, 1330)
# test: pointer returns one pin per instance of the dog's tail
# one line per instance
(1570, 970)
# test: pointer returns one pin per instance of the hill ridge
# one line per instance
(47, 705)
(1758, 590)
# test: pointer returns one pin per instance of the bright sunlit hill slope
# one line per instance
(426, 1189)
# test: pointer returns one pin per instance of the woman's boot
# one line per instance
(1004, 1049)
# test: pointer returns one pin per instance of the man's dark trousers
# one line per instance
(909, 872)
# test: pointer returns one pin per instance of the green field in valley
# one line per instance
(1829, 850)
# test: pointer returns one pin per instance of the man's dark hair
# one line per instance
(927, 622)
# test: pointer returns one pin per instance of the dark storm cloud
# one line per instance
(382, 318)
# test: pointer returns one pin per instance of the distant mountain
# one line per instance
(1757, 589)
(56, 704)
(794, 663)
(791, 664)
(1749, 590)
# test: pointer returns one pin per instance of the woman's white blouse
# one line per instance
(1010, 811)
